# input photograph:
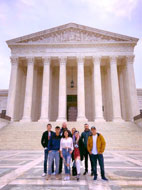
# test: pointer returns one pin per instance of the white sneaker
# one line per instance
(65, 178)
(68, 177)
(44, 174)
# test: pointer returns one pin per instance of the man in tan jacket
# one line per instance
(96, 146)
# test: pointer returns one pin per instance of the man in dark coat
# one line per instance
(64, 127)
(44, 141)
(84, 137)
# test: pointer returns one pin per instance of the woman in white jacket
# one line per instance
(66, 148)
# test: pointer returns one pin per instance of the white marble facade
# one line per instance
(100, 63)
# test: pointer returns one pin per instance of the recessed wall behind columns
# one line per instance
(37, 91)
(88, 93)
(55, 93)
(50, 91)
(71, 74)
(20, 92)
(104, 97)
(106, 92)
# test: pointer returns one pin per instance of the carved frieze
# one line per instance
(71, 35)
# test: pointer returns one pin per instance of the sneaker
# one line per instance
(85, 172)
(57, 177)
(68, 177)
(48, 177)
(44, 174)
(78, 177)
(65, 178)
(95, 178)
(104, 178)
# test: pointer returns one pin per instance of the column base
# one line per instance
(25, 120)
(84, 119)
(43, 120)
(99, 119)
(117, 119)
(61, 119)
(12, 120)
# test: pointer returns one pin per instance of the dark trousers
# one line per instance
(45, 161)
(100, 159)
(86, 154)
(60, 165)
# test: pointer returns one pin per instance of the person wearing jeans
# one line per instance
(54, 148)
(64, 127)
(96, 146)
(78, 152)
(44, 141)
(66, 158)
(84, 137)
(66, 148)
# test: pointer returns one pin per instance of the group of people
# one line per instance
(63, 145)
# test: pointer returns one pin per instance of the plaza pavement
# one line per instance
(22, 170)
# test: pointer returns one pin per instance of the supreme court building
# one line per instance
(72, 73)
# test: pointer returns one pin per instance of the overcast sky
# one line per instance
(21, 17)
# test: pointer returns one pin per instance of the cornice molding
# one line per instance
(72, 33)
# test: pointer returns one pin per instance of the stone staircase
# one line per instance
(3, 122)
(27, 136)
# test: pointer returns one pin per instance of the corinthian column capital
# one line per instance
(130, 59)
(113, 59)
(14, 60)
(46, 60)
(97, 59)
(30, 60)
(80, 59)
(63, 60)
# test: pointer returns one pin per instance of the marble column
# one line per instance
(132, 100)
(115, 94)
(62, 90)
(98, 112)
(122, 91)
(28, 90)
(45, 90)
(12, 88)
(80, 90)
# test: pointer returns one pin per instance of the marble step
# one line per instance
(119, 135)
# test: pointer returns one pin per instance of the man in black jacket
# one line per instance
(64, 127)
(84, 137)
(44, 141)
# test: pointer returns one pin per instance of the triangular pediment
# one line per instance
(71, 33)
